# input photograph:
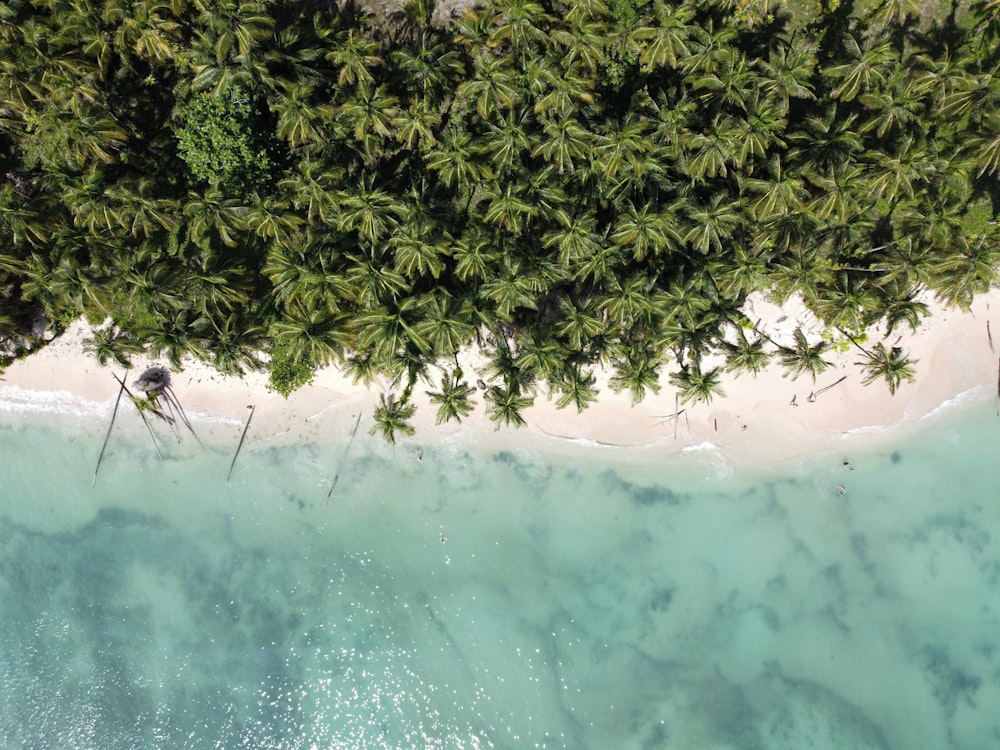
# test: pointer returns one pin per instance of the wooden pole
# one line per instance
(145, 419)
(107, 435)
(180, 410)
(343, 458)
(242, 438)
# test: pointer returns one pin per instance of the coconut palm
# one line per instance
(392, 416)
(576, 386)
(802, 357)
(109, 343)
(746, 355)
(665, 42)
(636, 370)
(867, 72)
(454, 399)
(506, 405)
(694, 385)
(890, 364)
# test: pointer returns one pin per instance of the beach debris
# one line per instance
(989, 337)
(155, 383)
(343, 459)
(243, 437)
(813, 396)
(143, 408)
(675, 417)
(107, 435)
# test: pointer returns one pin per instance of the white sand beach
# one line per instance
(765, 418)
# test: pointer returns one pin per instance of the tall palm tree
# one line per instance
(890, 364)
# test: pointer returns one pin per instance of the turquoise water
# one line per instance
(451, 597)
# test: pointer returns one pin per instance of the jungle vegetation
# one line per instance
(289, 184)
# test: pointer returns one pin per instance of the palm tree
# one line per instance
(539, 354)
(714, 222)
(372, 111)
(696, 385)
(638, 371)
(583, 42)
(667, 41)
(454, 399)
(564, 140)
(803, 357)
(447, 324)
(646, 232)
(745, 355)
(316, 337)
(506, 405)
(970, 271)
(356, 57)
(867, 72)
(580, 324)
(890, 364)
(110, 343)
(578, 387)
(492, 87)
(517, 26)
(369, 210)
(508, 142)
(455, 160)
(508, 207)
(391, 416)
(414, 256)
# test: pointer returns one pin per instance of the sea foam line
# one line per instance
(15, 399)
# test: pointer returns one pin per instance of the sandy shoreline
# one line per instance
(755, 421)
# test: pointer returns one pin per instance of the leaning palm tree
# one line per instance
(804, 357)
(391, 417)
(745, 355)
(890, 364)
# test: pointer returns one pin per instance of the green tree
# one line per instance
(392, 416)
(454, 399)
(224, 143)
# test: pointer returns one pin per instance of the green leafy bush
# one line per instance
(224, 142)
(287, 374)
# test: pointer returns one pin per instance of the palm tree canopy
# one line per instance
(569, 185)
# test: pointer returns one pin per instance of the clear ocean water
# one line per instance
(449, 596)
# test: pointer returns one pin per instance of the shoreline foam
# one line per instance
(755, 421)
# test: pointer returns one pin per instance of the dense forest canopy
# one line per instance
(290, 184)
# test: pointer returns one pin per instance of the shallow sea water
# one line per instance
(449, 596)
